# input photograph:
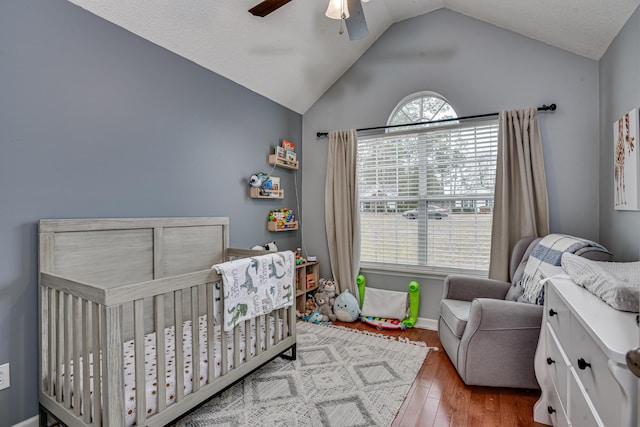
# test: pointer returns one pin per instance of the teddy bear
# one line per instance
(323, 306)
(330, 288)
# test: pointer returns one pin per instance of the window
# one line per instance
(426, 194)
(421, 107)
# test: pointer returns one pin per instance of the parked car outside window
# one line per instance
(433, 212)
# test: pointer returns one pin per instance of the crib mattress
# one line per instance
(152, 383)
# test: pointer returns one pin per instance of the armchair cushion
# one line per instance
(455, 314)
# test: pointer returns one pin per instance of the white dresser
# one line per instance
(580, 360)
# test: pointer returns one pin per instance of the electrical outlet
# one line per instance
(5, 378)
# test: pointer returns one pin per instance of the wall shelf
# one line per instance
(258, 193)
(290, 226)
(283, 163)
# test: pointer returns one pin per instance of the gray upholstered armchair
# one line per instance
(490, 338)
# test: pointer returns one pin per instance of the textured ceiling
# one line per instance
(295, 54)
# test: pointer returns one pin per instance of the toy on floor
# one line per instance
(317, 318)
(323, 305)
(346, 307)
(309, 307)
(391, 306)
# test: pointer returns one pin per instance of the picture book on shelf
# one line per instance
(288, 145)
(279, 152)
(275, 182)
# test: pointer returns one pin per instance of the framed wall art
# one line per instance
(626, 162)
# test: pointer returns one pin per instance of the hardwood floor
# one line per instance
(439, 398)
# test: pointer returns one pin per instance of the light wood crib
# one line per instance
(107, 286)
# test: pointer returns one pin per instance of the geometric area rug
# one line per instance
(341, 378)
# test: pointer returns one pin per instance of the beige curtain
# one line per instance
(521, 207)
(341, 209)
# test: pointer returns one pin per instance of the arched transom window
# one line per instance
(421, 107)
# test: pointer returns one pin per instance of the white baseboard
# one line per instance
(31, 422)
(430, 324)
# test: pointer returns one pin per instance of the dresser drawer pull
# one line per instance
(550, 361)
(583, 364)
(550, 409)
(552, 312)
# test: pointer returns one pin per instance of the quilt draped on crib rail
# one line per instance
(256, 286)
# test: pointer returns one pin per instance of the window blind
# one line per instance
(426, 195)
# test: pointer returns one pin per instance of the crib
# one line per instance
(109, 289)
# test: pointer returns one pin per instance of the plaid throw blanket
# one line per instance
(549, 251)
(256, 286)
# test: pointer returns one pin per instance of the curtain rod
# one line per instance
(551, 107)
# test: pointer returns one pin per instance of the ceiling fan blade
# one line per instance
(356, 24)
(267, 6)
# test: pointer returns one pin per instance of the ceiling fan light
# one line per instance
(337, 9)
(365, 1)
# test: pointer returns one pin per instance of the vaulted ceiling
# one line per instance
(295, 54)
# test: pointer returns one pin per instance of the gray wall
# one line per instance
(619, 93)
(96, 122)
(479, 68)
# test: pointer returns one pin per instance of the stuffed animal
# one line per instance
(329, 287)
(260, 180)
(346, 307)
(270, 246)
(315, 317)
(309, 306)
(255, 181)
(323, 306)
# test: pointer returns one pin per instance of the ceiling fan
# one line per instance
(350, 11)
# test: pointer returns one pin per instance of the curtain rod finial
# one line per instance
(322, 134)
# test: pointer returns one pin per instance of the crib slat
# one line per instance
(138, 339)
(224, 355)
(97, 364)
(68, 349)
(276, 326)
(113, 388)
(77, 348)
(285, 322)
(247, 340)
(179, 367)
(195, 341)
(211, 350)
(59, 345)
(53, 338)
(259, 321)
(161, 379)
(267, 332)
(236, 346)
(86, 351)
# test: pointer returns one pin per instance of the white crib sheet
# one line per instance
(170, 381)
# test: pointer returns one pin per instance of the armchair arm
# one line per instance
(467, 288)
(499, 343)
(492, 314)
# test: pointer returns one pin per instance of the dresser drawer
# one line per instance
(581, 411)
(556, 411)
(557, 365)
(590, 365)
(557, 314)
